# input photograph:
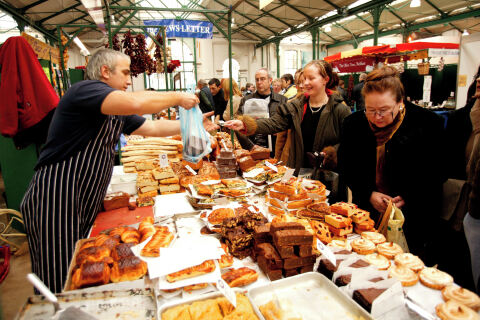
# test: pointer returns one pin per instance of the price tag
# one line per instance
(163, 160)
(271, 166)
(326, 252)
(190, 169)
(228, 292)
(288, 174)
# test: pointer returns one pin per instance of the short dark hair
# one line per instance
(248, 85)
(214, 81)
(287, 77)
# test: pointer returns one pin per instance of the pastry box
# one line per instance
(306, 296)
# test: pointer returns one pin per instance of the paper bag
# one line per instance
(395, 228)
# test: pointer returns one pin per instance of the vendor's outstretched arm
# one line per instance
(143, 102)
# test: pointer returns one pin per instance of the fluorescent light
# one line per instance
(328, 28)
(465, 32)
(81, 46)
(415, 3)
(92, 4)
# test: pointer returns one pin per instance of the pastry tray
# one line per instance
(127, 304)
(307, 296)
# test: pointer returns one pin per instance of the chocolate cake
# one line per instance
(226, 164)
(365, 297)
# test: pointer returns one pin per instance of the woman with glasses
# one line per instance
(392, 151)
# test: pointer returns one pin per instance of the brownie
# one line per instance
(265, 251)
(271, 264)
(262, 233)
(365, 297)
(286, 251)
(276, 226)
(290, 272)
(272, 274)
(295, 262)
(292, 237)
(359, 264)
(326, 268)
(303, 250)
(343, 280)
(304, 269)
(241, 253)
(231, 162)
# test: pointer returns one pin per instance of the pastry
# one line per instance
(375, 237)
(287, 197)
(462, 296)
(205, 309)
(337, 221)
(360, 215)
(291, 187)
(233, 192)
(378, 261)
(128, 269)
(340, 244)
(206, 267)
(435, 279)
(341, 231)
(410, 261)
(161, 239)
(122, 250)
(343, 208)
(275, 211)
(389, 249)
(93, 254)
(107, 241)
(90, 274)
(321, 231)
(452, 310)
(367, 225)
(117, 232)
(234, 183)
(177, 313)
(226, 260)
(405, 275)
(146, 228)
(217, 216)
(320, 207)
(363, 246)
(197, 286)
(203, 190)
(131, 235)
(240, 277)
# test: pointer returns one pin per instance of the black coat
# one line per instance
(206, 100)
(414, 167)
(220, 103)
(357, 96)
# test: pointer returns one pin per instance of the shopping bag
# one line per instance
(196, 140)
(395, 228)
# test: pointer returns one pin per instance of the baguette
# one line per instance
(156, 140)
(149, 147)
(206, 267)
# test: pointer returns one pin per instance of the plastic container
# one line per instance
(125, 183)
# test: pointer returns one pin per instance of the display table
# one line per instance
(119, 217)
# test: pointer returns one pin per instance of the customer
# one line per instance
(205, 96)
(237, 97)
(357, 96)
(392, 152)
(218, 97)
(75, 165)
(250, 88)
(342, 91)
(288, 87)
(277, 86)
(315, 118)
(266, 98)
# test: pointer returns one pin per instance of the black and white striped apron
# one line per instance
(63, 200)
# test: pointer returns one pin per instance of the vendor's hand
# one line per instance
(379, 201)
(187, 100)
(398, 201)
(236, 125)
(207, 124)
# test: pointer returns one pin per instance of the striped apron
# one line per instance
(62, 202)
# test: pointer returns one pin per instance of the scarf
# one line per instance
(383, 135)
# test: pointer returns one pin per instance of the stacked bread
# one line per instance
(136, 152)
(226, 164)
(159, 180)
(283, 249)
(248, 159)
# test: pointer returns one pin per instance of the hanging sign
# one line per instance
(354, 64)
(43, 50)
(183, 28)
(442, 52)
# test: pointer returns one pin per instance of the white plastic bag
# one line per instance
(196, 140)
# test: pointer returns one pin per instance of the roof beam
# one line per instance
(413, 27)
(58, 13)
(392, 11)
(31, 5)
(309, 18)
(361, 8)
(258, 17)
(270, 15)
(442, 13)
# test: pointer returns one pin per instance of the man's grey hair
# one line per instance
(202, 83)
(103, 57)
(362, 77)
(266, 70)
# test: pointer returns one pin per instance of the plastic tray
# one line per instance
(307, 296)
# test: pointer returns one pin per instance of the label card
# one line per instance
(191, 170)
(271, 166)
(326, 252)
(228, 292)
(163, 160)
(288, 174)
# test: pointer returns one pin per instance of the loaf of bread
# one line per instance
(116, 200)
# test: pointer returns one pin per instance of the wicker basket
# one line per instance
(423, 68)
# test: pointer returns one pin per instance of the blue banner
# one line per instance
(183, 28)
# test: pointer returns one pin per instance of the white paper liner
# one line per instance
(194, 193)
(195, 293)
(210, 182)
(188, 227)
(342, 271)
(424, 297)
(171, 204)
(253, 173)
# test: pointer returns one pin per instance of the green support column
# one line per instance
(195, 59)
(314, 33)
(164, 36)
(277, 49)
(232, 134)
(376, 13)
(62, 62)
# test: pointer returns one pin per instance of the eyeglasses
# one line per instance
(373, 113)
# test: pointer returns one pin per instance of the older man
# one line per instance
(75, 166)
(263, 96)
(205, 96)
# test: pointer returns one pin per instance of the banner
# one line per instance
(183, 28)
(43, 50)
(355, 64)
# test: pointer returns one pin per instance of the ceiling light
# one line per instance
(91, 4)
(415, 3)
(81, 46)
(465, 32)
(328, 28)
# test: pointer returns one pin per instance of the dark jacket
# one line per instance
(206, 100)
(414, 167)
(275, 101)
(220, 103)
(357, 96)
(474, 181)
(289, 116)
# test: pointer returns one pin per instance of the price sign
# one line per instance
(163, 160)
(271, 166)
(228, 292)
(326, 252)
(288, 174)
(190, 169)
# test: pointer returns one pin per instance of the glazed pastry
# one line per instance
(410, 261)
(340, 244)
(128, 269)
(435, 279)
(452, 310)
(94, 254)
(462, 296)
(161, 239)
(107, 241)
(217, 216)
(240, 277)
(389, 249)
(146, 228)
(206, 267)
(363, 246)
(405, 275)
(375, 237)
(378, 261)
(131, 235)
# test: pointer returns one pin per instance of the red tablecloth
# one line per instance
(119, 217)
